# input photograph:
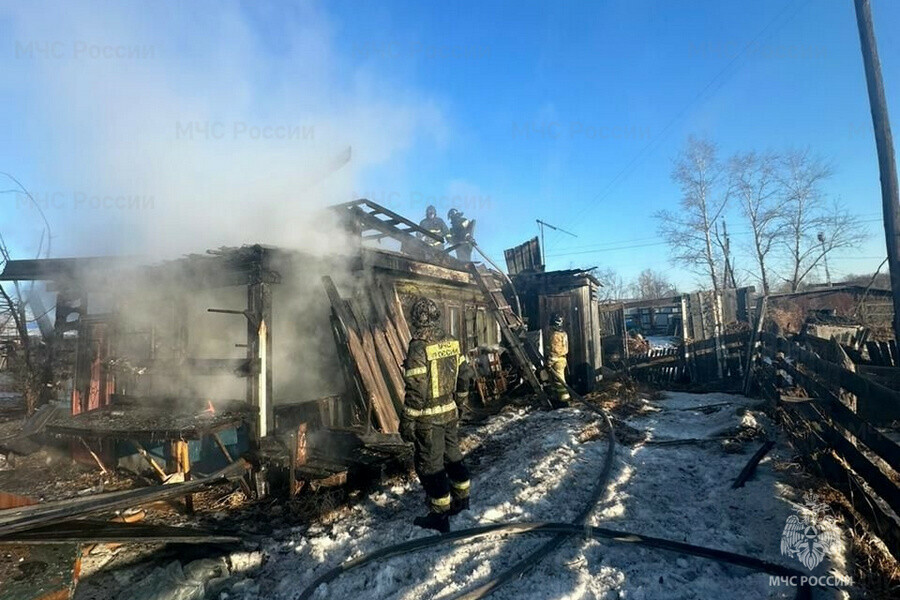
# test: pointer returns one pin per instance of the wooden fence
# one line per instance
(719, 358)
(838, 428)
(659, 365)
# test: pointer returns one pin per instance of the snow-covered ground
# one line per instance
(542, 466)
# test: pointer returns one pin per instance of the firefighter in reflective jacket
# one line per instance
(434, 224)
(436, 375)
(558, 346)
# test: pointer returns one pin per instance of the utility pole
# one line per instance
(729, 266)
(884, 143)
(821, 238)
(541, 225)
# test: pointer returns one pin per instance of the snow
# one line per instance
(659, 342)
(531, 466)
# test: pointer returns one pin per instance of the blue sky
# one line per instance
(568, 112)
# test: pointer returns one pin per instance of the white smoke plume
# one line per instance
(169, 127)
(158, 129)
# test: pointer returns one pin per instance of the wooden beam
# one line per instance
(245, 487)
(30, 517)
(146, 455)
(93, 454)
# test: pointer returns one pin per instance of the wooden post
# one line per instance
(761, 306)
(259, 352)
(183, 466)
(884, 143)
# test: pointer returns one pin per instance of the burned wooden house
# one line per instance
(188, 364)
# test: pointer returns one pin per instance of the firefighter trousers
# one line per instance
(558, 366)
(439, 463)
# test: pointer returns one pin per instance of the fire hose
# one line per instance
(561, 532)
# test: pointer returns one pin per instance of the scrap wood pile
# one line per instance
(372, 335)
(637, 344)
(42, 543)
(65, 520)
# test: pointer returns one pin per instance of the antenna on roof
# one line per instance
(541, 225)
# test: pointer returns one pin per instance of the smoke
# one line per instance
(165, 128)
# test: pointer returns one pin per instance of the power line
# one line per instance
(610, 249)
(628, 245)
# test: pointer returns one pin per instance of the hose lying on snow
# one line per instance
(561, 532)
(567, 530)
(548, 547)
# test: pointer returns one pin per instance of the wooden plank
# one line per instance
(245, 487)
(884, 447)
(384, 322)
(353, 379)
(865, 468)
(93, 454)
(48, 513)
(877, 403)
(875, 353)
(387, 365)
(384, 395)
(363, 356)
(817, 454)
(146, 455)
(96, 532)
(395, 310)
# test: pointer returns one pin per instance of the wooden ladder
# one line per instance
(375, 222)
(513, 330)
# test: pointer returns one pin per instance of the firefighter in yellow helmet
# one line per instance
(437, 376)
(558, 350)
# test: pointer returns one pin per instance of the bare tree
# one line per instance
(813, 228)
(29, 360)
(651, 285)
(24, 362)
(689, 231)
(754, 182)
(614, 286)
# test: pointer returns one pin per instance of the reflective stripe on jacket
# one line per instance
(435, 370)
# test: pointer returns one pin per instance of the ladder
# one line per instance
(374, 223)
(513, 330)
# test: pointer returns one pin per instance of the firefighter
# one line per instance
(435, 225)
(437, 375)
(461, 230)
(558, 346)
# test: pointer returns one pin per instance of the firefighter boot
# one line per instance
(438, 521)
(457, 505)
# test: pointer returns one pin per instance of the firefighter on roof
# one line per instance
(461, 230)
(435, 225)
(437, 375)
(558, 346)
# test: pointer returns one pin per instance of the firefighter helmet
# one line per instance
(556, 320)
(453, 213)
(424, 312)
(430, 212)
